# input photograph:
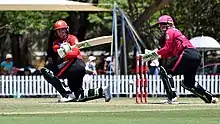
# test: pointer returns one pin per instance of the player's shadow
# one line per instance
(169, 104)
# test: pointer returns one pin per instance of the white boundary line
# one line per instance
(98, 111)
(130, 105)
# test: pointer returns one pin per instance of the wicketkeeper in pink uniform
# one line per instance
(185, 61)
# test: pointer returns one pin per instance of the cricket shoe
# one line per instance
(107, 93)
(214, 100)
(173, 101)
(69, 98)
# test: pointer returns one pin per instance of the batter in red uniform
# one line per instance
(185, 61)
(72, 69)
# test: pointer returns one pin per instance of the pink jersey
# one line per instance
(175, 43)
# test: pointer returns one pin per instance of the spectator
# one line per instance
(90, 70)
(7, 65)
(91, 66)
(108, 67)
(100, 65)
(27, 71)
(14, 71)
(154, 69)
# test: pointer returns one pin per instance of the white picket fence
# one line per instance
(122, 85)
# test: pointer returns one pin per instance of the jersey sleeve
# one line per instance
(56, 45)
(73, 54)
(73, 40)
(165, 51)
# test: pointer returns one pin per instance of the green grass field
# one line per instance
(117, 111)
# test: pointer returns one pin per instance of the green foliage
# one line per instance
(19, 22)
(198, 17)
(104, 19)
(192, 17)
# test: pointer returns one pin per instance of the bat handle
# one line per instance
(73, 46)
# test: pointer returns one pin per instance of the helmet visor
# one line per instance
(62, 33)
(163, 27)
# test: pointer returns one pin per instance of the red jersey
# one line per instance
(72, 40)
(175, 43)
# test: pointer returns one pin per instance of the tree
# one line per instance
(21, 29)
(195, 17)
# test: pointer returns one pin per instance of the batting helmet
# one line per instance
(165, 19)
(60, 24)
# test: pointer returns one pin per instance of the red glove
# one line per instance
(56, 47)
(73, 54)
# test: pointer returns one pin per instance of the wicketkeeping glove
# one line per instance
(150, 55)
(64, 48)
(146, 51)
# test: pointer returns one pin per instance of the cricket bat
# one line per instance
(95, 42)
(88, 43)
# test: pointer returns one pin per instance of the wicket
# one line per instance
(141, 80)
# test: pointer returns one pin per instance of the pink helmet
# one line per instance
(165, 19)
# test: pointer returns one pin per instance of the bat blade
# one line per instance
(95, 42)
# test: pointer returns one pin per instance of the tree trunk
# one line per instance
(20, 50)
(77, 22)
(150, 11)
(16, 50)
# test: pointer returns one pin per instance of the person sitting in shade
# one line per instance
(7, 65)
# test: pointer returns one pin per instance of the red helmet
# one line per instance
(165, 19)
(60, 24)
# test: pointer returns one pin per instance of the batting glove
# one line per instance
(64, 48)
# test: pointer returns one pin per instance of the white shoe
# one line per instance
(107, 93)
(173, 101)
(214, 100)
(70, 98)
